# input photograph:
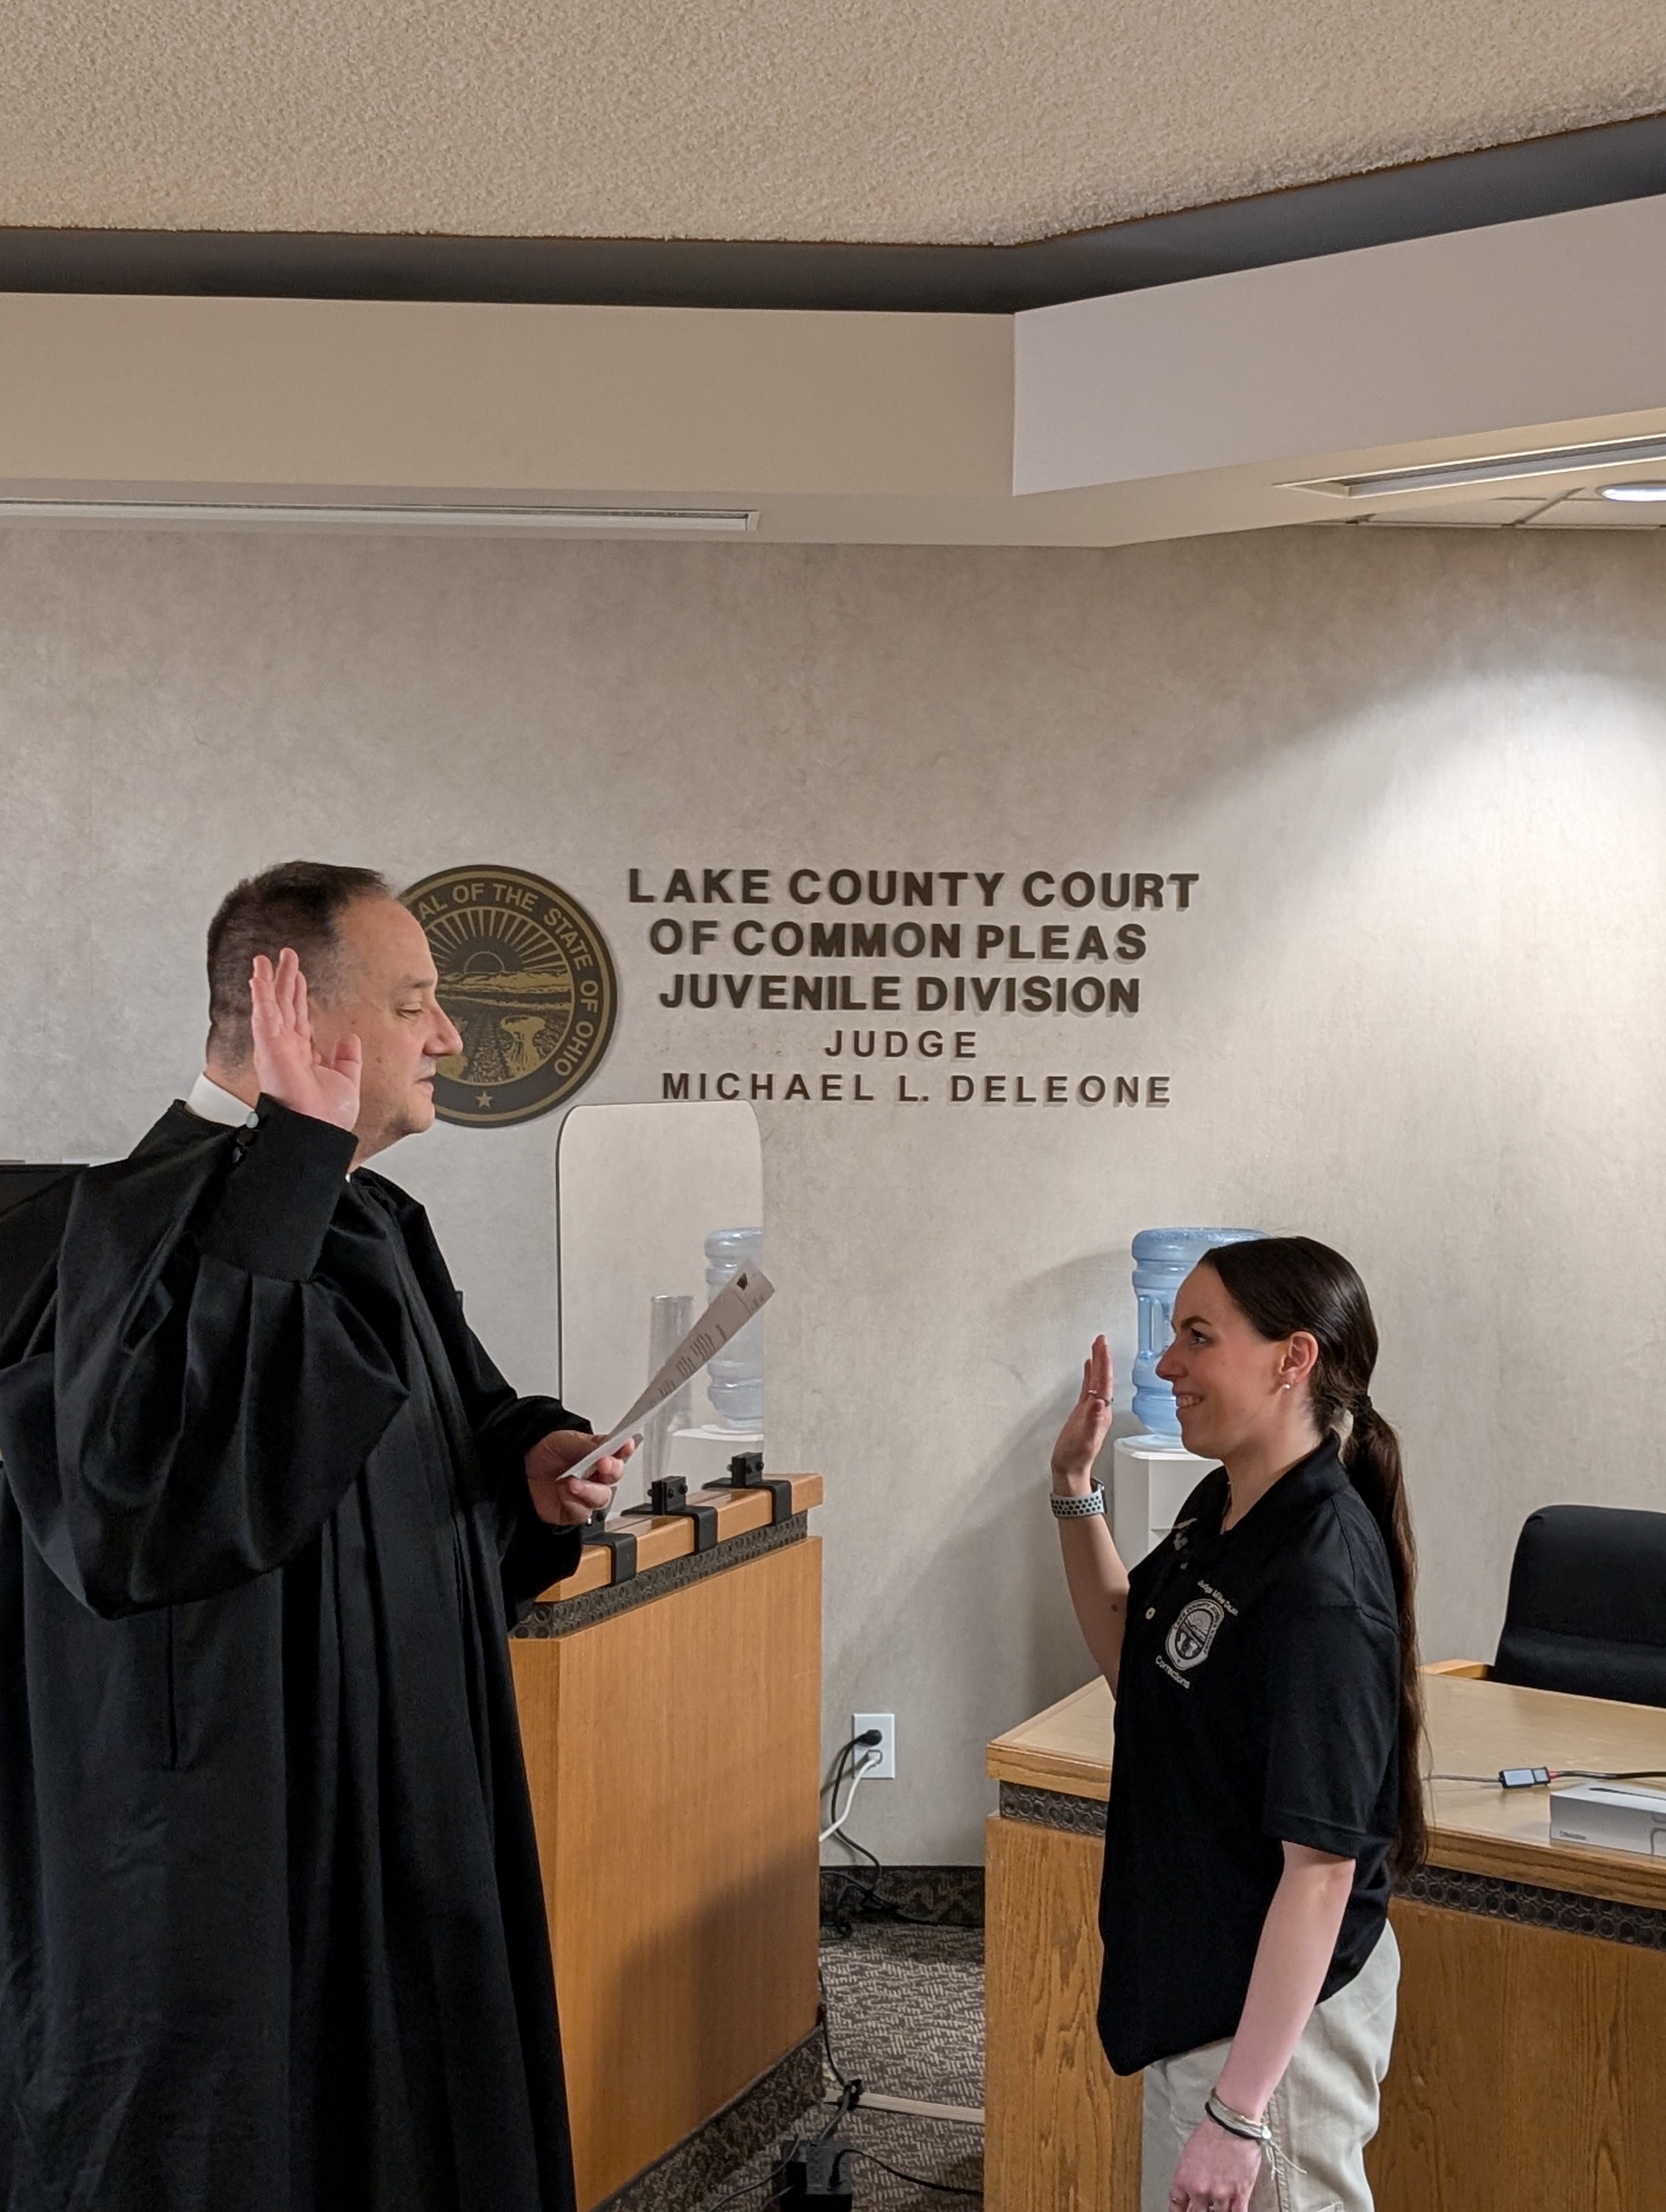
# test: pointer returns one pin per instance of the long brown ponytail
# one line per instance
(1282, 1285)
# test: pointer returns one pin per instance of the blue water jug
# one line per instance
(1163, 1258)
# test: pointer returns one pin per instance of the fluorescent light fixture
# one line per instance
(1637, 491)
(1488, 468)
(512, 520)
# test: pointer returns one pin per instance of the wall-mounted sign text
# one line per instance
(859, 947)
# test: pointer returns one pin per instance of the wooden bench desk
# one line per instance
(1529, 2068)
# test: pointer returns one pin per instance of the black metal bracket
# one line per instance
(621, 1542)
(668, 1500)
(746, 1472)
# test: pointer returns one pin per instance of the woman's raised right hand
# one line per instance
(1083, 1434)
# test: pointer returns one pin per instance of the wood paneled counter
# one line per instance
(1530, 2061)
(672, 1726)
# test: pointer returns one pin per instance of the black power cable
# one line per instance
(850, 2087)
(745, 2189)
(827, 2041)
(1529, 1777)
(849, 2096)
(878, 1906)
(919, 2180)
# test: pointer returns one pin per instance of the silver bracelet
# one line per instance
(1237, 2124)
(1075, 1508)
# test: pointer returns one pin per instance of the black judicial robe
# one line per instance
(272, 1936)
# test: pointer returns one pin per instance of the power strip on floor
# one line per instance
(808, 2177)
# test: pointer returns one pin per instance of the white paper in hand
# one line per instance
(726, 1317)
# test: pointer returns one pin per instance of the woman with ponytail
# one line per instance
(1265, 1784)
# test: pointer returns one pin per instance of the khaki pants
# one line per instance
(1323, 2113)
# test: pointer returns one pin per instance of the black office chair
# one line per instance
(1587, 1610)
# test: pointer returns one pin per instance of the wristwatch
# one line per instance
(1076, 1509)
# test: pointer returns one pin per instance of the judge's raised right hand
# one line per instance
(288, 1064)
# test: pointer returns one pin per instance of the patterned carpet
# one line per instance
(905, 2016)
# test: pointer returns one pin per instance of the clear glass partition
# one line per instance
(658, 1204)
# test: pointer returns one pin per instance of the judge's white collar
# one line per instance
(210, 1102)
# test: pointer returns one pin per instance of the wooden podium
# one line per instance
(671, 1725)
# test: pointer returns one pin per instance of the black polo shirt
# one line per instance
(1258, 1705)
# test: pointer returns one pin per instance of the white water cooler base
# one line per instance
(702, 1456)
(1150, 1482)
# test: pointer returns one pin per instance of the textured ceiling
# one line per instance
(934, 120)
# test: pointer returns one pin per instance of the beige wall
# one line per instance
(1182, 409)
(1414, 1008)
(1432, 338)
(449, 397)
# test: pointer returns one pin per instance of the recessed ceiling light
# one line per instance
(273, 514)
(1487, 468)
(1637, 491)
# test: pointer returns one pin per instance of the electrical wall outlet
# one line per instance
(886, 1770)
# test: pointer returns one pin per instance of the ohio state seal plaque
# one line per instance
(526, 977)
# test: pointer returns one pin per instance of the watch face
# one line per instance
(527, 978)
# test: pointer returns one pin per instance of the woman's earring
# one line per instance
(1284, 1386)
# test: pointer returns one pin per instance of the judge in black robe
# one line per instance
(273, 1936)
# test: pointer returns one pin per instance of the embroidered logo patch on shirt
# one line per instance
(1194, 1632)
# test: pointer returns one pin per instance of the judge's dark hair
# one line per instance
(1285, 1284)
(298, 903)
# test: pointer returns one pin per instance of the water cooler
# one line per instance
(1153, 1473)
